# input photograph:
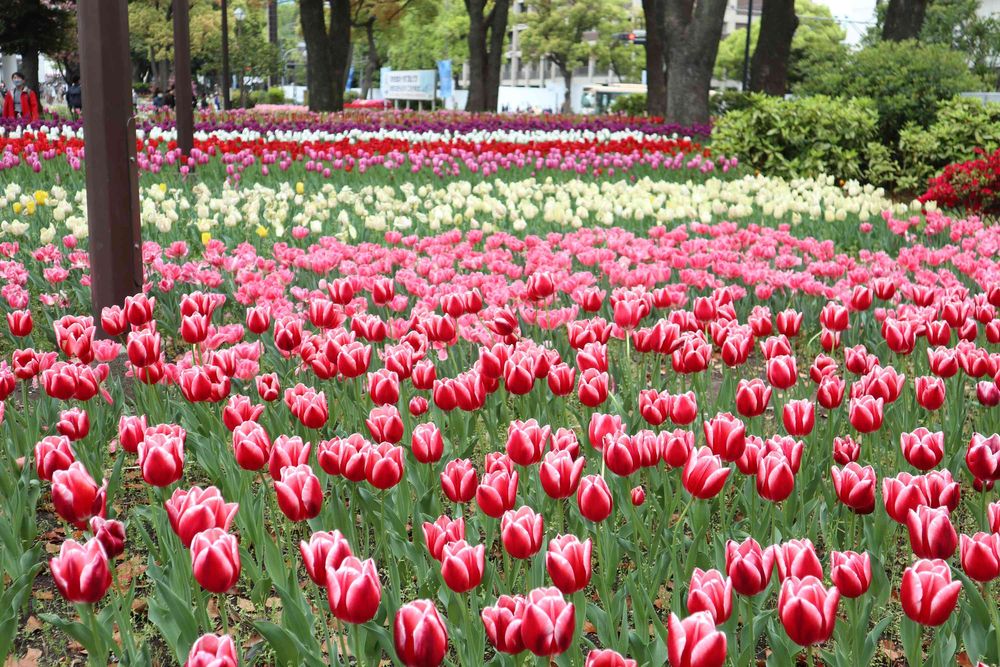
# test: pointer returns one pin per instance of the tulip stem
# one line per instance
(811, 656)
(97, 654)
(994, 609)
(223, 613)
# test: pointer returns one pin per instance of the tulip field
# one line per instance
(425, 389)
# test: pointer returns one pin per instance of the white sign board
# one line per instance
(417, 84)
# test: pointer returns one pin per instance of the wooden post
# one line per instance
(226, 104)
(109, 140)
(182, 77)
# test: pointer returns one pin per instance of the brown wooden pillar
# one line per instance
(109, 142)
(182, 77)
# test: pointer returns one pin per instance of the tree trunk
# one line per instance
(327, 52)
(656, 75)
(340, 48)
(477, 56)
(693, 32)
(486, 36)
(567, 74)
(769, 66)
(29, 67)
(372, 62)
(904, 19)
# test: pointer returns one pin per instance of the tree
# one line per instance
(33, 27)
(769, 65)
(907, 80)
(563, 31)
(431, 30)
(958, 25)
(656, 57)
(818, 44)
(328, 49)
(903, 19)
(375, 16)
(693, 30)
(487, 30)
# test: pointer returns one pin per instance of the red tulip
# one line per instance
(251, 446)
(927, 592)
(676, 447)
(798, 417)
(980, 556)
(921, 448)
(502, 623)
(497, 492)
(845, 450)
(781, 371)
(775, 479)
(983, 457)
(420, 635)
(143, 348)
(855, 487)
(808, 610)
(213, 651)
(191, 512)
(548, 622)
(240, 409)
(683, 408)
(797, 558)
(866, 413)
(638, 495)
(521, 532)
(932, 534)
(81, 571)
(417, 406)
(300, 495)
(354, 590)
(384, 465)
(324, 551)
(704, 475)
(593, 388)
(287, 451)
(258, 319)
(726, 436)
(268, 387)
(988, 394)
(943, 362)
(621, 455)
(459, 481)
(993, 515)
(749, 459)
(710, 591)
(695, 642)
(20, 323)
(462, 565)
(593, 497)
(53, 453)
(654, 406)
(568, 562)
(526, 441)
(789, 322)
(442, 532)
(110, 534)
(215, 560)
(560, 474)
(385, 424)
(383, 387)
(600, 426)
(607, 658)
(851, 572)
(427, 443)
(76, 496)
(74, 424)
(830, 393)
(752, 397)
(309, 406)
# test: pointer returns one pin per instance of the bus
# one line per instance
(597, 98)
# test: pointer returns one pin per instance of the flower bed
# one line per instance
(666, 445)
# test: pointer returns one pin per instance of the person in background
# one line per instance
(21, 101)
(74, 97)
(157, 98)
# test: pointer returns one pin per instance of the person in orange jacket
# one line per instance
(21, 101)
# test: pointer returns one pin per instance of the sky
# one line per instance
(854, 15)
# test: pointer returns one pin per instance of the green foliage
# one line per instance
(818, 41)
(958, 25)
(725, 101)
(799, 137)
(430, 30)
(557, 30)
(961, 126)
(34, 25)
(630, 105)
(907, 81)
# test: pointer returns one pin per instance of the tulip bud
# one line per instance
(548, 623)
(808, 610)
(354, 590)
(110, 534)
(323, 551)
(462, 565)
(81, 572)
(851, 572)
(213, 651)
(215, 560)
(593, 497)
(932, 534)
(420, 635)
(695, 641)
(502, 623)
(568, 562)
(521, 532)
(710, 591)
(927, 593)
